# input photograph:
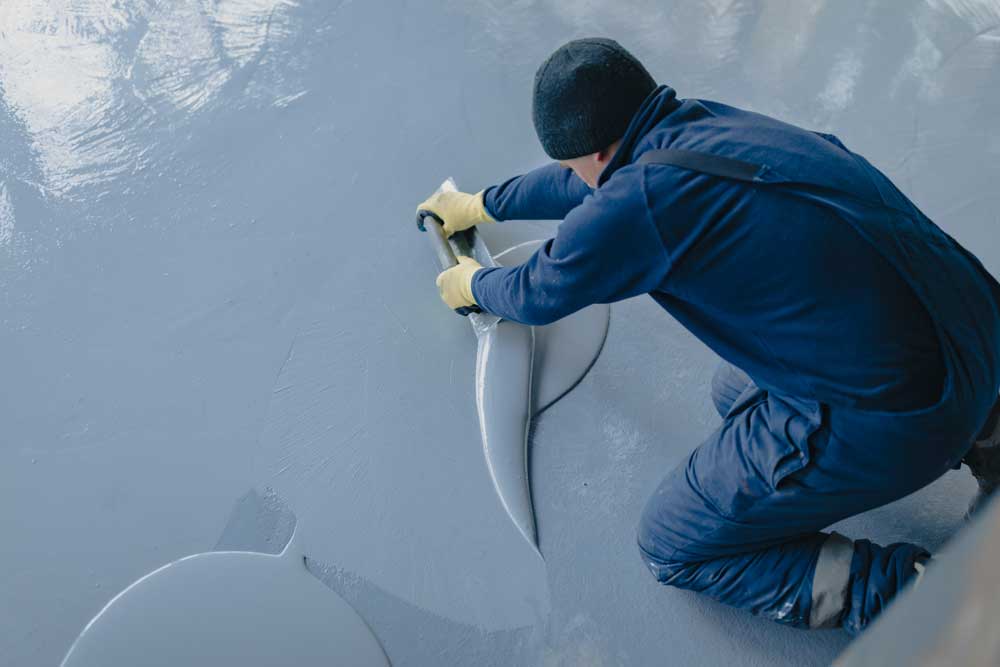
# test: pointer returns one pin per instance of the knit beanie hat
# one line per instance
(585, 96)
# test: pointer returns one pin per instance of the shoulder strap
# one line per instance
(748, 172)
(705, 163)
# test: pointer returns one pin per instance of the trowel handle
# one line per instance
(431, 224)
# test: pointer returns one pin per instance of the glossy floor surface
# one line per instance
(210, 283)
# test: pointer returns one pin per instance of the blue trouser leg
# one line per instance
(728, 382)
(740, 519)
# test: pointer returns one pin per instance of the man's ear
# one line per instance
(605, 154)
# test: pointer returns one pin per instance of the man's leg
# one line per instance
(983, 460)
(728, 382)
(740, 519)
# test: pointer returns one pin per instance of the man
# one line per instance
(861, 344)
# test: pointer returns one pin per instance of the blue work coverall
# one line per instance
(860, 346)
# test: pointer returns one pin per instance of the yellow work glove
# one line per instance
(455, 284)
(458, 210)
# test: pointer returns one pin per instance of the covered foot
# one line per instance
(984, 460)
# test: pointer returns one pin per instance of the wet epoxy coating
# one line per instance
(211, 283)
(521, 371)
(228, 608)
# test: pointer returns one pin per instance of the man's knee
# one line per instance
(659, 568)
(663, 532)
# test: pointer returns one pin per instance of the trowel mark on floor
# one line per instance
(977, 13)
(319, 406)
(283, 102)
(609, 489)
(6, 218)
(838, 93)
(260, 521)
(579, 646)
(247, 27)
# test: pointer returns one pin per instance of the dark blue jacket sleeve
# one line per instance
(607, 249)
(546, 193)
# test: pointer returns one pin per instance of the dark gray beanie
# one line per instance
(585, 95)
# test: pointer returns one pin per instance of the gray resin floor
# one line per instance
(215, 311)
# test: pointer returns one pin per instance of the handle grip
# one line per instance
(430, 223)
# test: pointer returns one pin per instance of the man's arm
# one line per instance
(546, 193)
(606, 250)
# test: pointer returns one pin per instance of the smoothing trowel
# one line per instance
(520, 369)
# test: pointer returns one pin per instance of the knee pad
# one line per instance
(654, 544)
(655, 567)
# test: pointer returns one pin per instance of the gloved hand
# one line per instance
(455, 284)
(458, 210)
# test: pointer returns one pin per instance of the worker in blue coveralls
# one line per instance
(860, 342)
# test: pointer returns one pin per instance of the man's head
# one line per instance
(584, 98)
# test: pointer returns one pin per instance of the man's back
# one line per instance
(771, 276)
(780, 285)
